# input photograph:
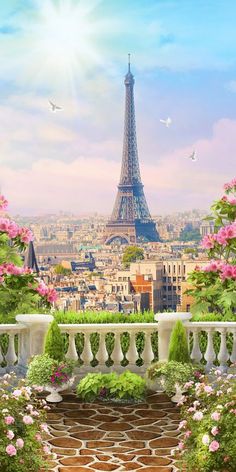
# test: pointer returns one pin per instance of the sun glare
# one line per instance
(64, 38)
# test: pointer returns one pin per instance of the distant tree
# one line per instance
(190, 234)
(59, 269)
(132, 254)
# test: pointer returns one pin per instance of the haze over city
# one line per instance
(75, 54)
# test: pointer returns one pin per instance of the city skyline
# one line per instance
(70, 160)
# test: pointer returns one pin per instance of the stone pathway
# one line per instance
(106, 437)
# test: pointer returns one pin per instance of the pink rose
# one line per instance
(198, 416)
(11, 450)
(9, 420)
(10, 434)
(215, 416)
(27, 419)
(214, 430)
(19, 443)
(214, 446)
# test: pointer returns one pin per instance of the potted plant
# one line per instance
(22, 428)
(126, 387)
(54, 376)
(174, 376)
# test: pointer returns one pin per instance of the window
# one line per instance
(174, 268)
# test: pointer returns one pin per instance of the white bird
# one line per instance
(54, 106)
(167, 122)
(193, 156)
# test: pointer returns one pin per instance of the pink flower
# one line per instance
(214, 430)
(10, 434)
(17, 393)
(19, 443)
(208, 242)
(198, 416)
(46, 450)
(205, 439)
(3, 203)
(27, 419)
(182, 424)
(44, 427)
(38, 437)
(25, 235)
(11, 450)
(214, 446)
(181, 446)
(188, 434)
(9, 420)
(215, 416)
(208, 389)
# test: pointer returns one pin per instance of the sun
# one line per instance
(63, 39)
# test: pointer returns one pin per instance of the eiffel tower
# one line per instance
(130, 221)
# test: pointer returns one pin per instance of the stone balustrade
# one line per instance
(102, 356)
(216, 333)
(26, 338)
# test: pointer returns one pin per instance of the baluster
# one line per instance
(196, 354)
(11, 356)
(132, 354)
(102, 352)
(87, 355)
(117, 354)
(210, 353)
(72, 352)
(233, 353)
(223, 355)
(147, 354)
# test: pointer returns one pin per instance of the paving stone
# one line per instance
(78, 428)
(140, 434)
(164, 442)
(115, 426)
(103, 458)
(158, 469)
(98, 444)
(86, 422)
(129, 417)
(133, 444)
(79, 413)
(94, 434)
(73, 469)
(145, 451)
(107, 418)
(66, 442)
(131, 466)
(106, 411)
(104, 466)
(154, 460)
(142, 421)
(152, 413)
(62, 452)
(78, 460)
(125, 457)
(115, 434)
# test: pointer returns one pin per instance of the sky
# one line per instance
(74, 53)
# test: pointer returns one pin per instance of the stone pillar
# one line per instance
(32, 339)
(166, 322)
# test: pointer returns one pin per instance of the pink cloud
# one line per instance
(89, 183)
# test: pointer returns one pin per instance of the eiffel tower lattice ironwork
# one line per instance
(130, 221)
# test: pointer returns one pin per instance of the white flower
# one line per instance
(205, 439)
(198, 416)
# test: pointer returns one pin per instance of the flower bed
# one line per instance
(209, 425)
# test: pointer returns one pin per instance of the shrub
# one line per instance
(127, 386)
(178, 347)
(22, 428)
(208, 425)
(54, 343)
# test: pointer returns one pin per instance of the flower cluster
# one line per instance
(222, 237)
(12, 269)
(3, 203)
(22, 427)
(213, 286)
(15, 232)
(208, 426)
(61, 374)
(49, 293)
(230, 186)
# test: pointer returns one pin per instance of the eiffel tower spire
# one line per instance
(130, 220)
